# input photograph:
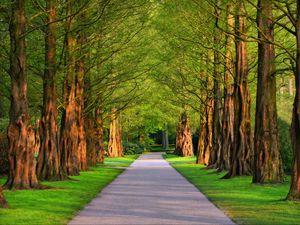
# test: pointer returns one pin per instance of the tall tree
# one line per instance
(69, 129)
(267, 160)
(184, 146)
(49, 166)
(79, 93)
(294, 193)
(115, 147)
(165, 137)
(241, 154)
(22, 172)
(217, 110)
(228, 107)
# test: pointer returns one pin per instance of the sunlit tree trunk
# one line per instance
(184, 145)
(228, 107)
(69, 128)
(294, 193)
(242, 153)
(178, 138)
(267, 160)
(115, 147)
(22, 172)
(49, 167)
(3, 203)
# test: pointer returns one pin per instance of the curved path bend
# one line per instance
(150, 192)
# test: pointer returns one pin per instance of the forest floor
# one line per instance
(58, 206)
(150, 191)
(244, 202)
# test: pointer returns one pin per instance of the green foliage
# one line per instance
(60, 204)
(244, 202)
(133, 148)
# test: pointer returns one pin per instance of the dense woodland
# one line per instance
(80, 80)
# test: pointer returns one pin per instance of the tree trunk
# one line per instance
(209, 153)
(3, 203)
(201, 159)
(69, 129)
(291, 86)
(90, 124)
(100, 135)
(228, 108)
(49, 166)
(267, 160)
(115, 148)
(185, 144)
(165, 137)
(217, 110)
(178, 138)
(241, 155)
(294, 193)
(91, 139)
(79, 95)
(22, 174)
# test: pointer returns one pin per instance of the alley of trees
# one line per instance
(85, 79)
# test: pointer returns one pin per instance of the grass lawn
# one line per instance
(242, 201)
(58, 206)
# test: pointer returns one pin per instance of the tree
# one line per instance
(49, 166)
(115, 147)
(184, 145)
(267, 159)
(22, 172)
(216, 158)
(241, 153)
(294, 193)
(165, 137)
(228, 107)
(69, 128)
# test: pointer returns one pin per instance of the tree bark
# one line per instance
(294, 193)
(217, 110)
(22, 174)
(80, 73)
(228, 108)
(100, 135)
(165, 137)
(242, 152)
(3, 203)
(69, 129)
(201, 156)
(185, 144)
(267, 160)
(90, 124)
(115, 147)
(49, 166)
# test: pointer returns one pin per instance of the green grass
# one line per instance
(58, 206)
(244, 202)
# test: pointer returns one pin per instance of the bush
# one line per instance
(133, 148)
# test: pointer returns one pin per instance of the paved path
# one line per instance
(150, 192)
